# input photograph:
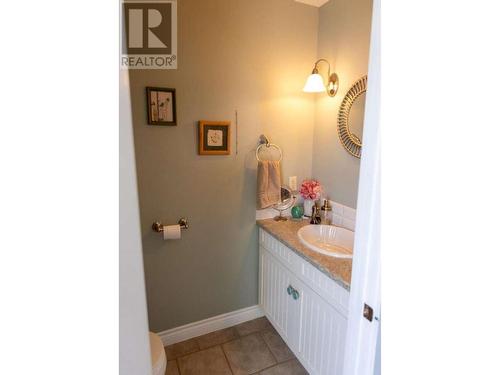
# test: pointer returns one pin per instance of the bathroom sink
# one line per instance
(328, 239)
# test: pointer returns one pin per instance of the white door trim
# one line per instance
(361, 341)
(135, 356)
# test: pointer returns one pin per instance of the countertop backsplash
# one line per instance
(343, 216)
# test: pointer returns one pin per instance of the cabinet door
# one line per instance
(322, 335)
(280, 307)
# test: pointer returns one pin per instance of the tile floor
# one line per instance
(252, 347)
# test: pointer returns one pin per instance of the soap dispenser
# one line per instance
(326, 213)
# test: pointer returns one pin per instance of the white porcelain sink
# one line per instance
(328, 239)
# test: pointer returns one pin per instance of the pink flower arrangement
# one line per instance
(310, 189)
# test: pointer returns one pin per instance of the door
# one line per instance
(362, 333)
(277, 298)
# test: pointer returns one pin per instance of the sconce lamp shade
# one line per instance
(314, 83)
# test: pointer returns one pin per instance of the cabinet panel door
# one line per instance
(278, 305)
(322, 335)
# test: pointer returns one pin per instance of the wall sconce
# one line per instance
(315, 82)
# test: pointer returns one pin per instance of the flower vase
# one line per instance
(308, 205)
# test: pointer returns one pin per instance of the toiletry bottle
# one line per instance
(316, 215)
(326, 213)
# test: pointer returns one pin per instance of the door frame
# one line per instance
(135, 355)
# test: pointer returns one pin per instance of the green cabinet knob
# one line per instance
(289, 289)
(295, 294)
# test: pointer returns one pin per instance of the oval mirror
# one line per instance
(351, 116)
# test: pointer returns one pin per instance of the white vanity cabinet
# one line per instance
(308, 309)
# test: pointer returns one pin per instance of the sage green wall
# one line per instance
(250, 56)
(344, 40)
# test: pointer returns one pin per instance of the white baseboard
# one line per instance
(188, 331)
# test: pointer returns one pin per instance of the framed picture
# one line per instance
(214, 138)
(161, 106)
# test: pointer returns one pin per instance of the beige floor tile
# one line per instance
(181, 348)
(206, 362)
(218, 337)
(277, 345)
(248, 355)
(172, 368)
(253, 326)
(292, 367)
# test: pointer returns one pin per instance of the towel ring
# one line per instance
(268, 145)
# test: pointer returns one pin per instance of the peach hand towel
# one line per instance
(268, 183)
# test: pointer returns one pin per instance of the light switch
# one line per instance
(292, 182)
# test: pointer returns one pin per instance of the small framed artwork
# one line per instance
(161, 106)
(214, 138)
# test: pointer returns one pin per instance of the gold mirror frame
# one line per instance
(350, 141)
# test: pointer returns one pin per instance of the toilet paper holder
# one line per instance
(158, 227)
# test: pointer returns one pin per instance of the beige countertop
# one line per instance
(286, 232)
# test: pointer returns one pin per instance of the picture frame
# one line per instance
(161, 104)
(214, 137)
